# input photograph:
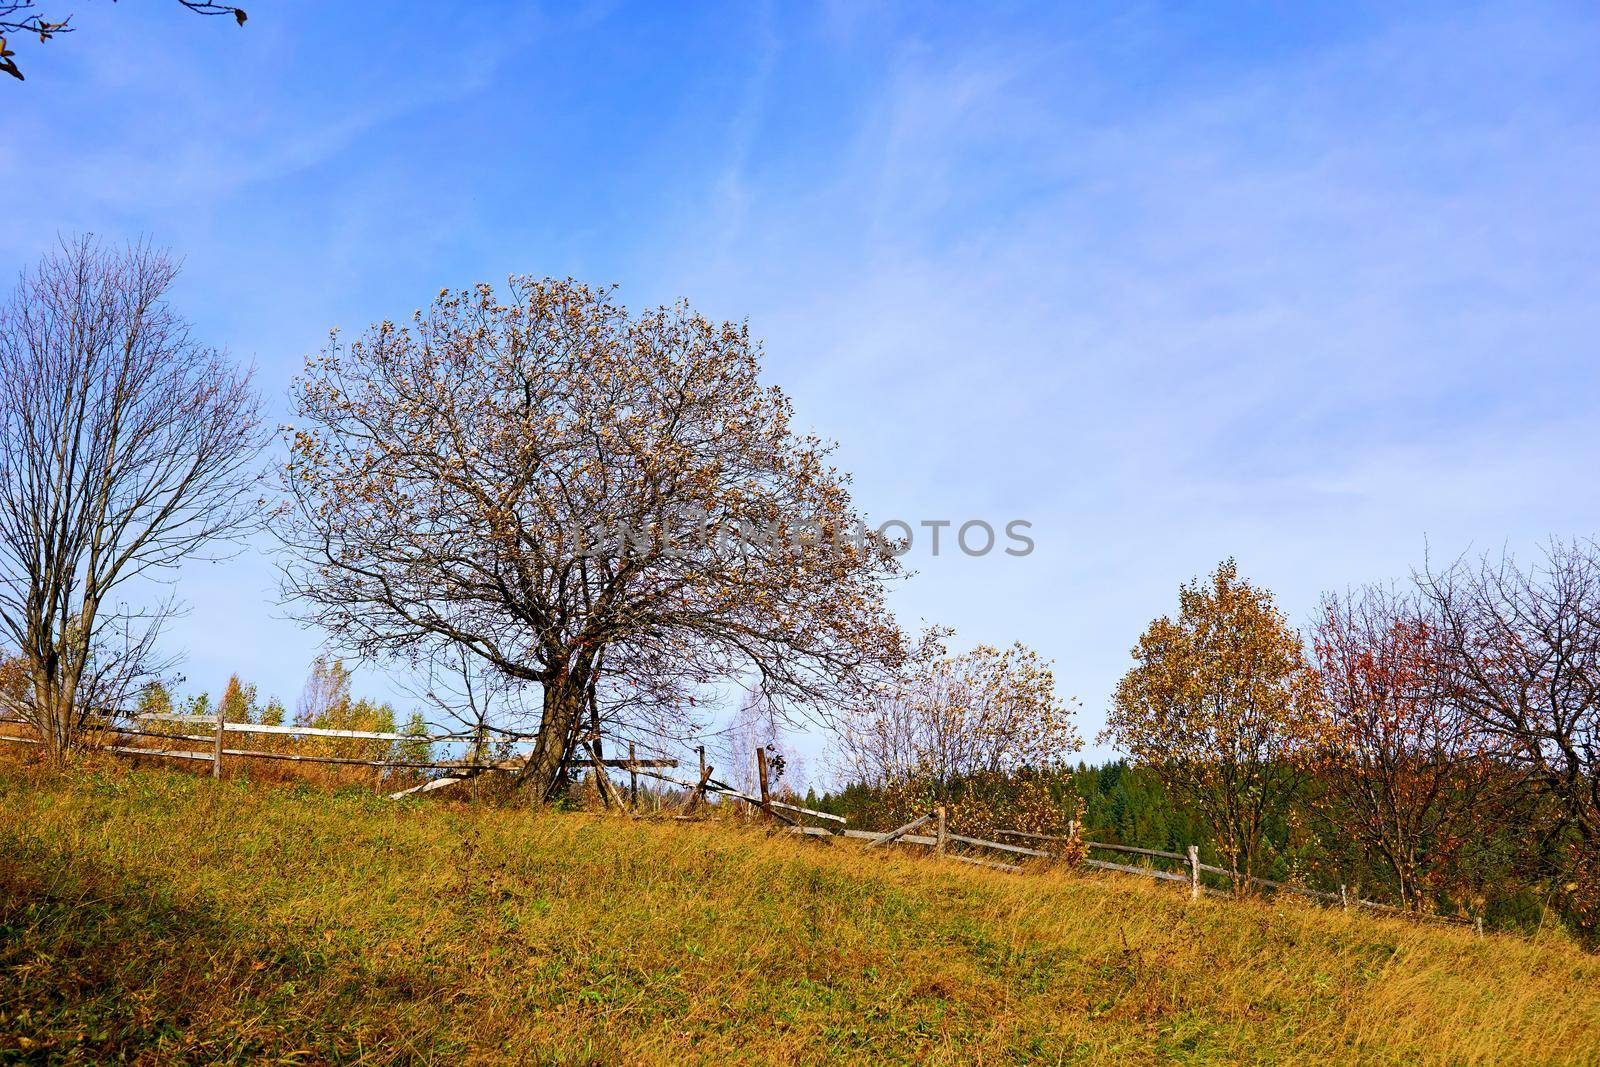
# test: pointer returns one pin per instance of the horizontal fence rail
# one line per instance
(1148, 872)
(456, 770)
(998, 845)
(319, 731)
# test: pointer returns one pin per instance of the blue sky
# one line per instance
(1315, 289)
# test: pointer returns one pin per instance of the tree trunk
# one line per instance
(563, 705)
(52, 710)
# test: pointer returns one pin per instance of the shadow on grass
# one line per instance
(100, 965)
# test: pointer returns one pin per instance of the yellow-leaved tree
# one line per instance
(1223, 706)
(238, 702)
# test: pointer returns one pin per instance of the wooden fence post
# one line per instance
(698, 797)
(1344, 897)
(761, 774)
(943, 832)
(1194, 872)
(633, 778)
(216, 750)
(1478, 923)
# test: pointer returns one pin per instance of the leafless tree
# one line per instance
(987, 712)
(23, 16)
(128, 448)
(1520, 650)
(753, 725)
(611, 507)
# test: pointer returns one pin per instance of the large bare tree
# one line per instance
(1520, 652)
(579, 496)
(128, 447)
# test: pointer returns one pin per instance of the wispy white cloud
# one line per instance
(1170, 282)
(1308, 315)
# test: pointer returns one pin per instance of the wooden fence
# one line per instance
(217, 750)
(942, 838)
(1195, 869)
(697, 791)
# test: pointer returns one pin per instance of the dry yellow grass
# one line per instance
(160, 917)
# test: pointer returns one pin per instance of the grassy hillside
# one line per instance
(159, 917)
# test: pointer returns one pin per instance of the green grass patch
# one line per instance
(156, 917)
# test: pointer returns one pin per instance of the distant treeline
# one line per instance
(1505, 874)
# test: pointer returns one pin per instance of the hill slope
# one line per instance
(162, 917)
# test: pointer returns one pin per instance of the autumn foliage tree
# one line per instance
(1404, 774)
(154, 699)
(327, 703)
(238, 703)
(576, 497)
(326, 692)
(986, 711)
(13, 684)
(1222, 704)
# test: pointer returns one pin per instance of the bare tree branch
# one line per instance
(21, 16)
(1520, 651)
